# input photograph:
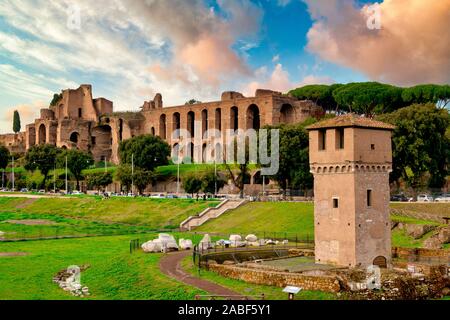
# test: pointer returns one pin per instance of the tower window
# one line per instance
(372, 147)
(335, 203)
(322, 139)
(80, 112)
(340, 138)
(94, 141)
(369, 198)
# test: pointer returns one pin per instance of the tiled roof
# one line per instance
(351, 120)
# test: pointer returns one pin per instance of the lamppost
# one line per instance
(13, 180)
(67, 186)
(54, 178)
(215, 179)
(132, 174)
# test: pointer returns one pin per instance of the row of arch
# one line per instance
(253, 120)
(349, 168)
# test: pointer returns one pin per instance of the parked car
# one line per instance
(399, 198)
(424, 198)
(445, 197)
(158, 196)
(24, 190)
(172, 196)
(41, 191)
(77, 193)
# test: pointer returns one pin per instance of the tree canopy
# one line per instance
(4, 157)
(16, 122)
(77, 161)
(149, 152)
(99, 180)
(192, 184)
(371, 98)
(420, 144)
(41, 157)
(56, 98)
(209, 181)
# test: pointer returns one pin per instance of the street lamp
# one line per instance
(13, 180)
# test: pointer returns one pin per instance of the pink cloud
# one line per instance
(411, 47)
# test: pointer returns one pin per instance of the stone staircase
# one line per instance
(210, 213)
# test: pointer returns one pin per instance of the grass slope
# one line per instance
(114, 273)
(154, 213)
(259, 217)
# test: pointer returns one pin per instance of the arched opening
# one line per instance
(153, 131)
(162, 126)
(287, 114)
(103, 142)
(42, 134)
(380, 261)
(176, 156)
(176, 124)
(218, 153)
(204, 123)
(75, 137)
(120, 129)
(204, 155)
(191, 123)
(191, 152)
(218, 119)
(234, 118)
(253, 117)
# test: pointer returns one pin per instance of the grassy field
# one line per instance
(152, 213)
(259, 217)
(436, 208)
(113, 272)
(244, 288)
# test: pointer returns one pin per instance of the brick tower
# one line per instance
(351, 158)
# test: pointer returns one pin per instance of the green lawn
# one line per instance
(152, 213)
(114, 273)
(260, 217)
(244, 288)
(436, 208)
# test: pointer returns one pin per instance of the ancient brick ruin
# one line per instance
(79, 121)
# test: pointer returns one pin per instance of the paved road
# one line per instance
(171, 266)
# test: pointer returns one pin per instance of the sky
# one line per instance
(129, 50)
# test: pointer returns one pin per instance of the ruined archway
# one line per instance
(218, 119)
(162, 126)
(191, 123)
(75, 137)
(204, 123)
(287, 114)
(234, 118)
(380, 261)
(176, 124)
(101, 149)
(253, 117)
(42, 134)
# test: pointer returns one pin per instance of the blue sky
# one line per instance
(129, 50)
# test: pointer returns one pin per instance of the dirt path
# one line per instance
(26, 203)
(171, 266)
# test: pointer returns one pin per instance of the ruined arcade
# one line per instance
(351, 158)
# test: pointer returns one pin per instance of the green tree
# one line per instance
(192, 101)
(321, 94)
(192, 184)
(4, 157)
(124, 176)
(368, 98)
(294, 170)
(77, 161)
(41, 157)
(209, 181)
(99, 180)
(55, 100)
(142, 178)
(149, 152)
(420, 144)
(16, 122)
(427, 93)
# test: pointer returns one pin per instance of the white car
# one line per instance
(158, 196)
(424, 198)
(77, 193)
(445, 197)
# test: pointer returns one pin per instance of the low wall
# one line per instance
(420, 252)
(279, 279)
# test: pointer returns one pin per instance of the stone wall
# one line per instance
(279, 279)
